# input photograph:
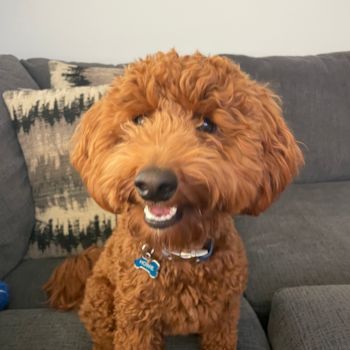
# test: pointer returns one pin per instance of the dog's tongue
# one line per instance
(157, 211)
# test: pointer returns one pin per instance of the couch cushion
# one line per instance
(303, 239)
(311, 318)
(38, 68)
(64, 75)
(67, 219)
(250, 332)
(44, 329)
(26, 280)
(315, 92)
(16, 201)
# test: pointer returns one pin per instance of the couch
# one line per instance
(298, 292)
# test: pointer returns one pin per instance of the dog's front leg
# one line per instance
(223, 335)
(97, 309)
(139, 333)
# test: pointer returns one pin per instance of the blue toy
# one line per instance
(4, 295)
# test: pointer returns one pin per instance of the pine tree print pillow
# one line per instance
(64, 75)
(67, 219)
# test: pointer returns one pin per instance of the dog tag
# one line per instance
(146, 263)
(151, 266)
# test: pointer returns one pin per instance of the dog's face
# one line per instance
(178, 141)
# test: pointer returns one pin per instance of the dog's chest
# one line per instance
(185, 297)
(193, 300)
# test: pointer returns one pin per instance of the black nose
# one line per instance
(156, 185)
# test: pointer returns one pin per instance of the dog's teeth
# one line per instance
(151, 216)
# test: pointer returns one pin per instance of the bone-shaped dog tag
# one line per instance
(146, 263)
(151, 266)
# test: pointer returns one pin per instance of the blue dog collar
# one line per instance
(206, 256)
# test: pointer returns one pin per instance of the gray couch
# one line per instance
(298, 294)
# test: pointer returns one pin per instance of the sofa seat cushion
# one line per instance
(26, 280)
(251, 335)
(315, 317)
(16, 200)
(34, 329)
(302, 239)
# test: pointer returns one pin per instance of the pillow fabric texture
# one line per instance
(67, 219)
(63, 75)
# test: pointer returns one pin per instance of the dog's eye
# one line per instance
(139, 120)
(208, 126)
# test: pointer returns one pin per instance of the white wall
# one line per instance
(115, 31)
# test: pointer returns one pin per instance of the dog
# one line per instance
(177, 146)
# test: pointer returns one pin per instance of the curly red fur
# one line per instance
(66, 286)
(241, 168)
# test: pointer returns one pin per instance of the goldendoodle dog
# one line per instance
(176, 147)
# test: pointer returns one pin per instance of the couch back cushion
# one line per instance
(315, 91)
(16, 201)
(67, 219)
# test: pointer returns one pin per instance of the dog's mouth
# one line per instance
(161, 217)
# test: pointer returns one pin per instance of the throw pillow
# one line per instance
(64, 75)
(67, 219)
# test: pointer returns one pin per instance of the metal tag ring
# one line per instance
(146, 252)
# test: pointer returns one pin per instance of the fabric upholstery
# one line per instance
(16, 201)
(306, 318)
(44, 329)
(303, 239)
(63, 75)
(38, 68)
(251, 335)
(315, 92)
(26, 280)
(67, 219)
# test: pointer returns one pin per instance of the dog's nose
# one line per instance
(156, 185)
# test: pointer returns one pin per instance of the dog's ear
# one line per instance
(281, 156)
(82, 143)
(97, 132)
